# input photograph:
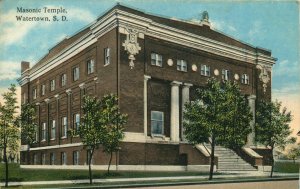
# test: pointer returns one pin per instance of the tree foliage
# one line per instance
(102, 124)
(294, 152)
(113, 122)
(9, 132)
(272, 126)
(28, 126)
(215, 115)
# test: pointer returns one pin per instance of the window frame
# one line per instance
(205, 70)
(53, 130)
(76, 122)
(43, 89)
(225, 74)
(44, 132)
(162, 126)
(180, 65)
(63, 79)
(157, 60)
(75, 75)
(64, 126)
(90, 66)
(43, 158)
(52, 85)
(52, 158)
(34, 93)
(107, 56)
(76, 157)
(63, 157)
(245, 79)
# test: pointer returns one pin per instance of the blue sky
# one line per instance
(271, 25)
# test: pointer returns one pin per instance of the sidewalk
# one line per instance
(122, 180)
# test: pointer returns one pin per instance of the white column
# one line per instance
(175, 111)
(146, 78)
(185, 99)
(250, 138)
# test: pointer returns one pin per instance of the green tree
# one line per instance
(9, 132)
(102, 124)
(214, 116)
(236, 125)
(90, 129)
(113, 125)
(272, 126)
(28, 126)
(294, 153)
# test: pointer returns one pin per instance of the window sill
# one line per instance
(43, 140)
(63, 137)
(106, 65)
(52, 139)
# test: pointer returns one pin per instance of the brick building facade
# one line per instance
(154, 65)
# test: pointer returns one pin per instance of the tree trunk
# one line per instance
(272, 162)
(6, 164)
(111, 153)
(90, 169)
(212, 159)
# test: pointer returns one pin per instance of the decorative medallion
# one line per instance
(131, 45)
(264, 76)
(216, 72)
(170, 62)
(236, 76)
(194, 67)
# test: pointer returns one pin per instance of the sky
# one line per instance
(273, 25)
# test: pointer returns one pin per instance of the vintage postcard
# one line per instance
(158, 93)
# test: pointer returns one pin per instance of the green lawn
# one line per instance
(287, 167)
(18, 174)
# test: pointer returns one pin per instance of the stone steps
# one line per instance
(228, 160)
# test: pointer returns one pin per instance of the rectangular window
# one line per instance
(53, 130)
(52, 158)
(34, 94)
(157, 122)
(76, 121)
(245, 79)
(107, 56)
(52, 85)
(24, 98)
(43, 159)
(64, 127)
(90, 66)
(63, 79)
(156, 59)
(44, 131)
(76, 158)
(182, 65)
(34, 159)
(75, 73)
(225, 75)
(205, 70)
(63, 158)
(36, 133)
(43, 90)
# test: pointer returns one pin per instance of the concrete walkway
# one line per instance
(231, 174)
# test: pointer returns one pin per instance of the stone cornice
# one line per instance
(118, 18)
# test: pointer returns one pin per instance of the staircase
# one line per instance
(228, 160)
